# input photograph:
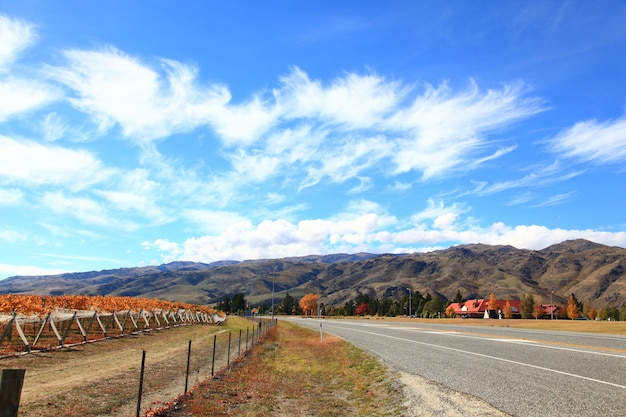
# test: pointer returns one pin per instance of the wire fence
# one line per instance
(158, 377)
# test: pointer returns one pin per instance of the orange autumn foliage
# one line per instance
(41, 305)
(308, 304)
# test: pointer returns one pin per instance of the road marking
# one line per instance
(484, 336)
(494, 358)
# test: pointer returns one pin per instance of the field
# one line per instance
(102, 378)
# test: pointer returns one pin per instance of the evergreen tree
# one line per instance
(458, 298)
(238, 303)
(287, 305)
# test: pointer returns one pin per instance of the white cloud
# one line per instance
(22, 95)
(10, 196)
(19, 94)
(593, 141)
(354, 100)
(444, 130)
(212, 221)
(369, 231)
(12, 236)
(30, 163)
(556, 199)
(539, 176)
(15, 36)
(86, 210)
(7, 270)
(114, 87)
(170, 250)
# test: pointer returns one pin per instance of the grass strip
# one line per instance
(293, 373)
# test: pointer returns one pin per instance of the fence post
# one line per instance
(228, 356)
(187, 372)
(239, 349)
(213, 361)
(11, 383)
(247, 339)
(143, 365)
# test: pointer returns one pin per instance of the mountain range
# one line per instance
(595, 273)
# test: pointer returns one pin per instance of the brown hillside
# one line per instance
(594, 273)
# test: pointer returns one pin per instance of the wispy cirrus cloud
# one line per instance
(33, 164)
(15, 36)
(593, 141)
(314, 130)
(20, 93)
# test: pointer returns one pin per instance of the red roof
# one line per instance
(478, 306)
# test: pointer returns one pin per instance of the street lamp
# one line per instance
(410, 296)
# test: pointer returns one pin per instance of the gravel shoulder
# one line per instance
(427, 398)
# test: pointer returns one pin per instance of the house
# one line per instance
(479, 308)
(548, 311)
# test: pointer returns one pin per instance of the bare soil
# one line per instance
(102, 378)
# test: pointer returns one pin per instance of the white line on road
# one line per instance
(492, 357)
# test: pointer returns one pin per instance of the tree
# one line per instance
(458, 298)
(592, 313)
(224, 305)
(287, 305)
(308, 304)
(238, 303)
(537, 311)
(508, 310)
(362, 309)
(527, 305)
(432, 307)
(493, 303)
(572, 307)
(450, 311)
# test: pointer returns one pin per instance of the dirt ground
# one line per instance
(102, 378)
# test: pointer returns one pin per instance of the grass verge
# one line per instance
(294, 373)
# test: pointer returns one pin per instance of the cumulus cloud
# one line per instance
(369, 232)
(593, 141)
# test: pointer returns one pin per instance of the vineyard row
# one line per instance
(24, 330)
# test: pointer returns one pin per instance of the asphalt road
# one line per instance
(521, 372)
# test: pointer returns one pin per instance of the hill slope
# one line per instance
(594, 273)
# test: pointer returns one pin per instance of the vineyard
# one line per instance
(29, 322)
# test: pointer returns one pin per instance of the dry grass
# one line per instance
(584, 326)
(293, 373)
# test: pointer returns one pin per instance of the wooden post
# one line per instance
(187, 371)
(143, 366)
(11, 383)
(228, 356)
(213, 360)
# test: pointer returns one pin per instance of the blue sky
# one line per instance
(137, 133)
